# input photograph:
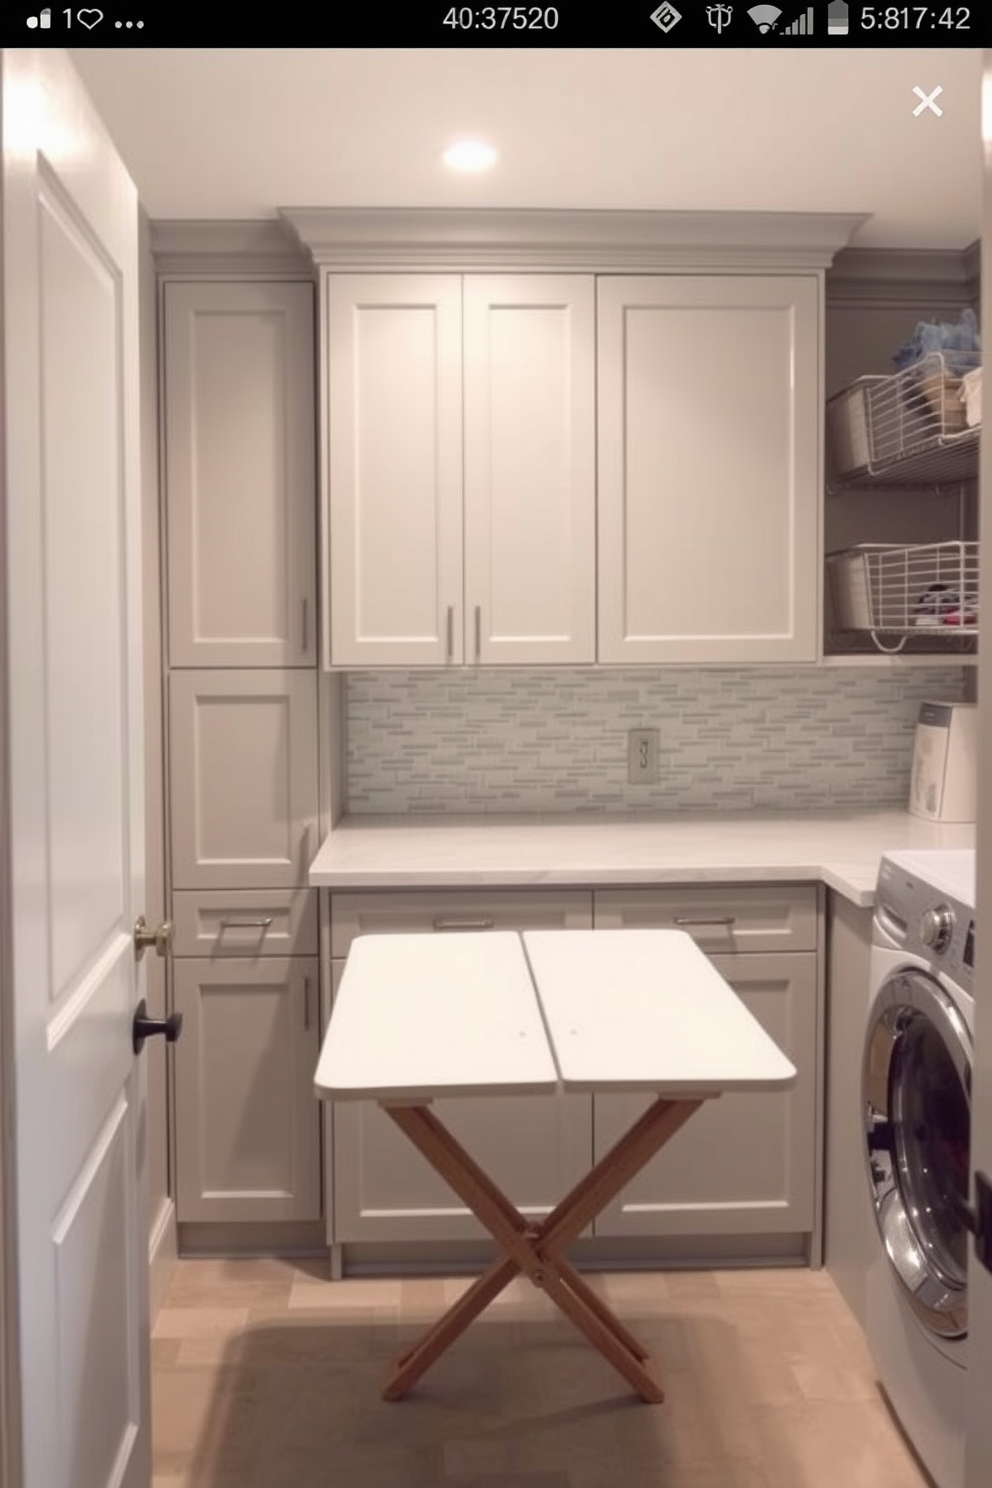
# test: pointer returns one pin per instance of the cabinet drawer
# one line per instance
(468, 909)
(720, 919)
(245, 923)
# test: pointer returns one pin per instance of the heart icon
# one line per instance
(89, 18)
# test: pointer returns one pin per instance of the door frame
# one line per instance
(9, 1374)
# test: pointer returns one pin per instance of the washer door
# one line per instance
(916, 1100)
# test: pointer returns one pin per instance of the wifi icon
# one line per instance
(764, 16)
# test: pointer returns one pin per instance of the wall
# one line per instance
(543, 739)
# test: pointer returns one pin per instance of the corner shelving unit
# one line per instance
(907, 432)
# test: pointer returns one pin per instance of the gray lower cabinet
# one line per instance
(247, 1123)
(534, 1147)
(743, 1164)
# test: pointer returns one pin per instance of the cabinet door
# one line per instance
(240, 480)
(247, 1120)
(744, 1163)
(243, 778)
(535, 1148)
(530, 468)
(709, 488)
(392, 538)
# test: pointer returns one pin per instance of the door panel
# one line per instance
(247, 1119)
(72, 591)
(243, 778)
(530, 468)
(240, 485)
(708, 468)
(742, 1164)
(392, 535)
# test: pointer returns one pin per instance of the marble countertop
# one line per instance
(840, 848)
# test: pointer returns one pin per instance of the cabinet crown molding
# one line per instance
(263, 248)
(910, 277)
(496, 238)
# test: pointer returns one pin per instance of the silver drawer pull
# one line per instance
(463, 924)
(708, 920)
(306, 1004)
(230, 923)
(449, 633)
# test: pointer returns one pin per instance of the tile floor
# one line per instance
(266, 1375)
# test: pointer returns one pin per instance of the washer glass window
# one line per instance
(917, 1083)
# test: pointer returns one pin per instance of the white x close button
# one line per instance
(927, 102)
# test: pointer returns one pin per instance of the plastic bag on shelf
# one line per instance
(959, 343)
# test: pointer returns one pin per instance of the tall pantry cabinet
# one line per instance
(239, 508)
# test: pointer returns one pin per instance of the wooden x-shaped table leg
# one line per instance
(536, 1249)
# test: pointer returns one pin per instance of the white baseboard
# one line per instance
(162, 1255)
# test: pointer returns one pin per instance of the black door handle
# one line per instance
(144, 1027)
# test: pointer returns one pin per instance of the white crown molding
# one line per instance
(263, 248)
(487, 238)
(915, 278)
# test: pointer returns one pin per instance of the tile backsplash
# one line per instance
(554, 739)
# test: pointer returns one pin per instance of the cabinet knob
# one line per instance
(145, 1027)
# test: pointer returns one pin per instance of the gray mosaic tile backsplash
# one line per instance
(543, 740)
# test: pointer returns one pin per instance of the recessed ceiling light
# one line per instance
(469, 155)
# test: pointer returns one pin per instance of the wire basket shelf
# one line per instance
(927, 591)
(909, 429)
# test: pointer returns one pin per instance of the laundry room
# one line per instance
(494, 775)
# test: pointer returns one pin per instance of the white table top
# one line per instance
(419, 1016)
(647, 1010)
(434, 1015)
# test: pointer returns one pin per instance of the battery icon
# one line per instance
(837, 18)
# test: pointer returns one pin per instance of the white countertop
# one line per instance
(841, 849)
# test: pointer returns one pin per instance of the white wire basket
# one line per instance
(928, 590)
(910, 429)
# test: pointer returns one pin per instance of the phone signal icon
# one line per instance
(802, 27)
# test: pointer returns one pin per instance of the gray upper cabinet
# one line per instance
(239, 471)
(708, 413)
(243, 778)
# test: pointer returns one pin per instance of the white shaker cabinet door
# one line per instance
(243, 778)
(744, 1164)
(709, 488)
(392, 537)
(239, 474)
(530, 468)
(247, 1123)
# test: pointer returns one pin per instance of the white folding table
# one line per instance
(418, 1017)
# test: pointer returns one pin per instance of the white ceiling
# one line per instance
(238, 134)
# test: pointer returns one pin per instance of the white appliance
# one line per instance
(943, 780)
(916, 1115)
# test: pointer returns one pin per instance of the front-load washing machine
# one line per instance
(916, 1113)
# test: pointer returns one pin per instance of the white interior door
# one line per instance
(978, 1464)
(74, 703)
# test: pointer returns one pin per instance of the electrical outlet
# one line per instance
(642, 756)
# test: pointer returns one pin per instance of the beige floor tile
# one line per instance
(726, 1473)
(197, 1322)
(823, 1444)
(268, 1375)
(363, 1295)
(204, 1420)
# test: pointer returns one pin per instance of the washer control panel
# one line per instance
(926, 922)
